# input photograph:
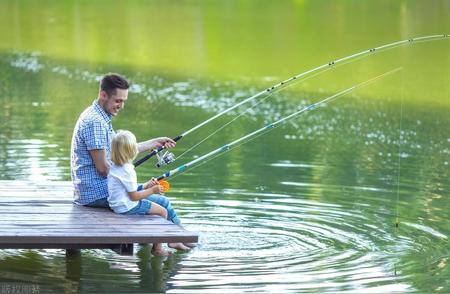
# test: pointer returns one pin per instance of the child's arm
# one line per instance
(144, 193)
(149, 188)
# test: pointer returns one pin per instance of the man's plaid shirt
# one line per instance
(93, 130)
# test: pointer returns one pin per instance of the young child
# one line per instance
(124, 196)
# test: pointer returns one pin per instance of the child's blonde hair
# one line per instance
(124, 147)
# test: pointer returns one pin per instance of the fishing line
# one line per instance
(397, 221)
(222, 127)
(270, 126)
(222, 153)
(306, 73)
(255, 104)
(279, 125)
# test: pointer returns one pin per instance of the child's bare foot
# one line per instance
(178, 246)
(158, 250)
(161, 252)
(190, 245)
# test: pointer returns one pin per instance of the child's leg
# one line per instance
(160, 205)
(171, 215)
(156, 209)
(164, 202)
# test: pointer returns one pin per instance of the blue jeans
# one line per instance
(156, 198)
(164, 202)
(142, 208)
(102, 203)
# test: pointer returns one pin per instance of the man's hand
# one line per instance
(156, 143)
(166, 142)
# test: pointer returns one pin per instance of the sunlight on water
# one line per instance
(310, 232)
(311, 206)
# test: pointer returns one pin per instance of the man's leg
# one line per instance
(102, 203)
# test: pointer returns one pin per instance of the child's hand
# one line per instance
(158, 189)
(152, 182)
(155, 186)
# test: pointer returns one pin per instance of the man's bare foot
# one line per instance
(178, 246)
(190, 245)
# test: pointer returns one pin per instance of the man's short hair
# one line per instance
(112, 81)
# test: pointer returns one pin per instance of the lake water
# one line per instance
(310, 206)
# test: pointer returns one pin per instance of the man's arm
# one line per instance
(99, 158)
(156, 143)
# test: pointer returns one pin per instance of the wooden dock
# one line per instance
(40, 215)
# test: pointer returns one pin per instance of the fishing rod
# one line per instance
(168, 158)
(271, 126)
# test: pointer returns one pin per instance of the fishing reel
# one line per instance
(165, 185)
(165, 159)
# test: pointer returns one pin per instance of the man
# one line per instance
(91, 142)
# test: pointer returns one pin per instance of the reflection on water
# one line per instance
(316, 214)
(90, 271)
(260, 241)
(308, 207)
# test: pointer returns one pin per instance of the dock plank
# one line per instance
(42, 215)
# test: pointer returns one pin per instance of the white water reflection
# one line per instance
(28, 157)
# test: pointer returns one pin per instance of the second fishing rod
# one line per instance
(169, 157)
